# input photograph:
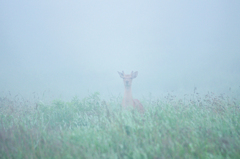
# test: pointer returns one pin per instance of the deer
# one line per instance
(128, 101)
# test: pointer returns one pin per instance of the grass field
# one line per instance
(192, 127)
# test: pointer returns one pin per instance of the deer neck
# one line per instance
(128, 99)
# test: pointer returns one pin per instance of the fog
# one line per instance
(69, 48)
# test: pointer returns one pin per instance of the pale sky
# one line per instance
(76, 47)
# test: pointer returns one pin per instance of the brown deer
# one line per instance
(128, 101)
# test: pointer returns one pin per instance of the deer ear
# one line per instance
(121, 74)
(134, 74)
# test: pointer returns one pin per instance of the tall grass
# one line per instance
(193, 127)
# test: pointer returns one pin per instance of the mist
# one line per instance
(73, 48)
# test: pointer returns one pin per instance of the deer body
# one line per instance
(128, 101)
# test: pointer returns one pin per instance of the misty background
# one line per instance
(70, 48)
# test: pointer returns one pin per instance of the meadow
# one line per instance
(196, 126)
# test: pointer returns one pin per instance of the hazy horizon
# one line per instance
(76, 47)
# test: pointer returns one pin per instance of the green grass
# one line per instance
(198, 127)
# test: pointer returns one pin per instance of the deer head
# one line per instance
(127, 79)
